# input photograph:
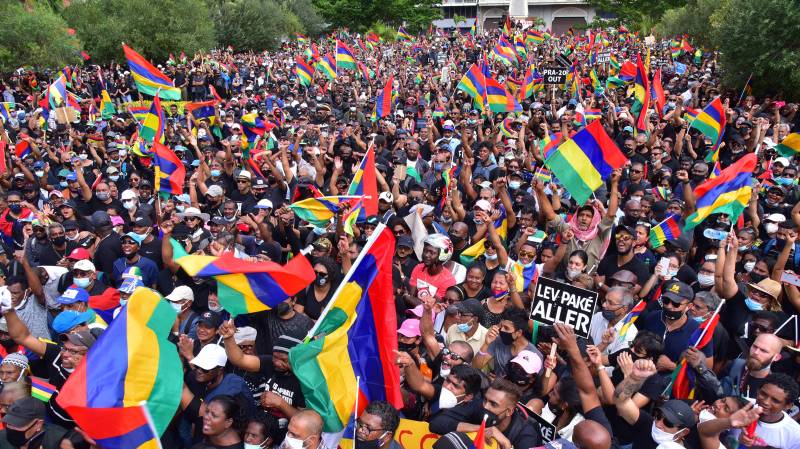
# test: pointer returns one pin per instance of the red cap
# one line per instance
(243, 227)
(79, 254)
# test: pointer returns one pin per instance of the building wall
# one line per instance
(558, 15)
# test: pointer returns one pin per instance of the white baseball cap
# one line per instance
(84, 265)
(180, 293)
(210, 357)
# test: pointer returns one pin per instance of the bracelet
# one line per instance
(482, 353)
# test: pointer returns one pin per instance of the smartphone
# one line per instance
(663, 265)
(790, 277)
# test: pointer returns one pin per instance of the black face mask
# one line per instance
(17, 438)
(672, 315)
(8, 344)
(283, 308)
(406, 347)
(755, 278)
(507, 338)
(491, 418)
(372, 444)
(517, 375)
(59, 241)
(15, 208)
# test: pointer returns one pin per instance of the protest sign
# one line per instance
(557, 302)
(604, 57)
(554, 75)
(546, 430)
(412, 434)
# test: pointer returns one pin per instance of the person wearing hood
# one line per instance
(590, 228)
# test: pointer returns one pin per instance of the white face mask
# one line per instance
(660, 436)
(705, 279)
(444, 371)
(447, 399)
(176, 306)
(293, 443)
(771, 228)
(748, 266)
(491, 256)
(571, 274)
(705, 415)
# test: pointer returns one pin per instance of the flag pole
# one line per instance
(355, 411)
(375, 234)
(716, 312)
(793, 317)
(745, 88)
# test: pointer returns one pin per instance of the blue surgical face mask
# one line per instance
(464, 327)
(699, 319)
(63, 184)
(320, 231)
(753, 305)
(82, 282)
(114, 178)
(438, 166)
(215, 173)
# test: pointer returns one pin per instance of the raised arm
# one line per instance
(627, 409)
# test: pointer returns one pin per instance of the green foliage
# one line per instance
(152, 29)
(386, 32)
(255, 24)
(759, 37)
(639, 15)
(358, 15)
(35, 38)
(694, 19)
(312, 22)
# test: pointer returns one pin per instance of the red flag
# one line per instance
(479, 442)
(3, 165)
(657, 91)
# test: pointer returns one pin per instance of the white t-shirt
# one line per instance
(784, 434)
(599, 325)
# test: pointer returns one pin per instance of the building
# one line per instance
(558, 15)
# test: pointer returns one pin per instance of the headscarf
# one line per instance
(591, 232)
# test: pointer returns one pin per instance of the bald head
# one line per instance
(590, 434)
(309, 421)
(765, 349)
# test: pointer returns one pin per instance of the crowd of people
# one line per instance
(82, 229)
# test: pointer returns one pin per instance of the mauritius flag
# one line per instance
(133, 363)
(350, 358)
(683, 385)
(383, 103)
(248, 287)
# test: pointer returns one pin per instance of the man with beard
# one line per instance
(623, 259)
(280, 395)
(281, 320)
(746, 376)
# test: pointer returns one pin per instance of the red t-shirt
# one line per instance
(420, 278)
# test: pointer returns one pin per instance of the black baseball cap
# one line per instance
(24, 411)
(211, 318)
(678, 413)
(679, 291)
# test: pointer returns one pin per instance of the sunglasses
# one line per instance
(452, 355)
(665, 301)
(527, 254)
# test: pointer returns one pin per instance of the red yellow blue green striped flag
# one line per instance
(585, 160)
(667, 230)
(711, 122)
(789, 146)
(149, 80)
(344, 57)
(728, 193)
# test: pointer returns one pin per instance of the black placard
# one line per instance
(557, 302)
(546, 430)
(554, 75)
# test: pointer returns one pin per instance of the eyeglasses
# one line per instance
(361, 425)
(242, 181)
(452, 355)
(759, 294)
(624, 237)
(71, 351)
(530, 254)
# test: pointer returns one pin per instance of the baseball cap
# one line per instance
(406, 241)
(100, 219)
(130, 284)
(183, 198)
(127, 195)
(71, 225)
(82, 338)
(24, 411)
(79, 254)
(471, 306)
(214, 190)
(783, 161)
(529, 361)
(209, 318)
(775, 218)
(678, 413)
(210, 357)
(181, 293)
(84, 265)
(386, 196)
(483, 205)
(142, 221)
(69, 319)
(73, 295)
(416, 312)
(244, 334)
(679, 291)
(409, 328)
(284, 343)
(263, 204)
(133, 236)
(322, 244)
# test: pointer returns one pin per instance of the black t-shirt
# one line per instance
(152, 251)
(108, 250)
(311, 307)
(49, 255)
(57, 376)
(609, 266)
(284, 385)
(270, 326)
(641, 431)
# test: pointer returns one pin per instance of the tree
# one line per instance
(358, 15)
(153, 29)
(759, 38)
(638, 14)
(36, 37)
(312, 22)
(255, 24)
(694, 19)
